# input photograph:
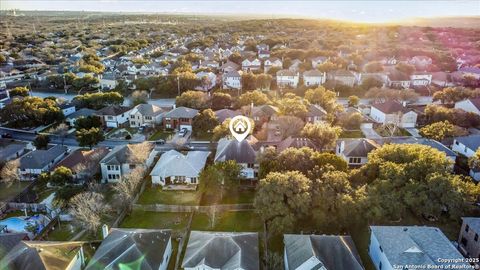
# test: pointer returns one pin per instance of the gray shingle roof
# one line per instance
(147, 109)
(174, 163)
(112, 110)
(313, 73)
(181, 112)
(223, 114)
(472, 141)
(124, 246)
(84, 112)
(121, 154)
(404, 245)
(10, 240)
(222, 250)
(359, 147)
(38, 159)
(332, 252)
(241, 152)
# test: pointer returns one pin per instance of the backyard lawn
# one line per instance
(239, 197)
(155, 195)
(63, 232)
(385, 132)
(160, 134)
(10, 191)
(231, 221)
(155, 220)
(352, 134)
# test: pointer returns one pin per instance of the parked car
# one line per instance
(186, 148)
(7, 135)
(160, 141)
(183, 132)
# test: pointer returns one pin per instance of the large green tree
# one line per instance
(192, 99)
(252, 97)
(322, 134)
(89, 137)
(204, 122)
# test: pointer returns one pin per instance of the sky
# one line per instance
(353, 10)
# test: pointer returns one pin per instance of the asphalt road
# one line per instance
(71, 141)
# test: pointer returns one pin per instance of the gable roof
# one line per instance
(295, 143)
(316, 110)
(147, 110)
(40, 255)
(81, 160)
(332, 252)
(264, 110)
(313, 73)
(38, 159)
(390, 107)
(112, 110)
(223, 114)
(475, 102)
(181, 112)
(83, 112)
(404, 245)
(124, 246)
(471, 141)
(121, 154)
(286, 72)
(222, 250)
(241, 152)
(174, 163)
(358, 147)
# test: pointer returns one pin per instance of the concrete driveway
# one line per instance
(370, 133)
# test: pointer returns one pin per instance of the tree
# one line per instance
(405, 68)
(249, 81)
(9, 173)
(204, 122)
(61, 131)
(474, 161)
(282, 199)
(219, 178)
(438, 130)
(353, 101)
(327, 66)
(413, 178)
(138, 153)
(263, 81)
(450, 95)
(41, 141)
(139, 97)
(351, 121)
(370, 83)
(126, 188)
(91, 121)
(88, 209)
(31, 112)
(268, 162)
(293, 105)
(256, 98)
(86, 83)
(289, 126)
(323, 135)
(220, 101)
(19, 91)
(373, 67)
(89, 137)
(192, 99)
(61, 176)
(325, 98)
(98, 100)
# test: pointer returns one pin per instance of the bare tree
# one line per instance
(61, 131)
(88, 209)
(127, 187)
(212, 213)
(290, 126)
(9, 173)
(138, 153)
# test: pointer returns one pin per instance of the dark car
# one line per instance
(7, 135)
(161, 141)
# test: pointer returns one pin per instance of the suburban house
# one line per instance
(295, 142)
(232, 80)
(420, 61)
(442, 79)
(397, 79)
(229, 66)
(84, 112)
(145, 115)
(469, 105)
(295, 65)
(314, 77)
(121, 161)
(241, 152)
(27, 255)
(261, 114)
(468, 242)
(318, 61)
(67, 108)
(222, 250)
(262, 54)
(421, 79)
(306, 252)
(208, 80)
(108, 81)
(223, 114)
(394, 112)
(466, 145)
(174, 168)
(315, 114)
(251, 64)
(114, 116)
(141, 248)
(179, 118)
(84, 163)
(38, 161)
(287, 78)
(12, 149)
(392, 247)
(355, 151)
(344, 77)
(272, 62)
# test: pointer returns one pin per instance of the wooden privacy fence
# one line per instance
(191, 208)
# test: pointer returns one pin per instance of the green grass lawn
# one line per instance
(155, 220)
(241, 196)
(204, 136)
(160, 134)
(10, 191)
(155, 195)
(352, 134)
(63, 232)
(385, 132)
(231, 221)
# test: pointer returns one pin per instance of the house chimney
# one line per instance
(404, 103)
(105, 231)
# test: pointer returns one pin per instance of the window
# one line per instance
(476, 237)
(467, 228)
(109, 167)
(132, 116)
(250, 165)
(354, 160)
(132, 166)
(194, 180)
(464, 241)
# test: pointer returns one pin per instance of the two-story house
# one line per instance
(345, 77)
(314, 77)
(179, 118)
(468, 242)
(315, 114)
(145, 115)
(420, 79)
(272, 62)
(287, 78)
(39, 161)
(232, 80)
(317, 61)
(251, 64)
(394, 112)
(466, 145)
(114, 116)
(241, 152)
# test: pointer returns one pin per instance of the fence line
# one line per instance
(192, 208)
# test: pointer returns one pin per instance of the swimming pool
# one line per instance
(20, 224)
